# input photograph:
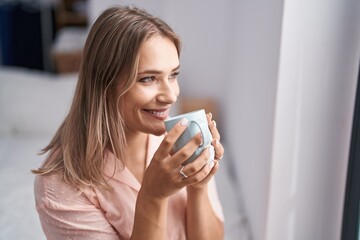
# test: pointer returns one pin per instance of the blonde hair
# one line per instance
(108, 70)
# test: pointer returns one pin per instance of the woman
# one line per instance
(110, 172)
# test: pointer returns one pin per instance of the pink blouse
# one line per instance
(66, 213)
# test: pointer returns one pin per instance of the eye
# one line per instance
(147, 79)
(174, 75)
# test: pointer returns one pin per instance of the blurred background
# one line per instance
(279, 76)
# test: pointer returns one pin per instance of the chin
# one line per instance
(158, 131)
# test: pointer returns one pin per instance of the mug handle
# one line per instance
(202, 134)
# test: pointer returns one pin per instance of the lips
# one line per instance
(163, 113)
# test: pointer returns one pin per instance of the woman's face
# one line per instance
(148, 102)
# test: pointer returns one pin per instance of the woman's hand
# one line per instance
(162, 178)
(211, 168)
(219, 149)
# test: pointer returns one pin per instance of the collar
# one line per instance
(115, 170)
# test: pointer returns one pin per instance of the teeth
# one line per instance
(157, 113)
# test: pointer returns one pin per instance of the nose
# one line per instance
(168, 92)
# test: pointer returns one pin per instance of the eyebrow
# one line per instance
(154, 71)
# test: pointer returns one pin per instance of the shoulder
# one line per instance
(65, 212)
(52, 191)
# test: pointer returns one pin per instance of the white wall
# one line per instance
(250, 103)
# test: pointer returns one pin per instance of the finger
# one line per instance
(212, 126)
(199, 162)
(170, 138)
(186, 151)
(206, 173)
(213, 170)
(219, 149)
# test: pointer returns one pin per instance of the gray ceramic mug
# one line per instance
(197, 122)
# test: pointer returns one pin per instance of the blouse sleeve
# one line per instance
(67, 214)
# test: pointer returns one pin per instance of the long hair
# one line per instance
(108, 70)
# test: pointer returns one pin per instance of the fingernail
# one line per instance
(202, 140)
(214, 123)
(184, 122)
(210, 115)
(211, 149)
(211, 164)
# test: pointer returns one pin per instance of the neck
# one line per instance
(135, 142)
(136, 153)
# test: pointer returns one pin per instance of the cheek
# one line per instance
(136, 98)
(176, 89)
(127, 105)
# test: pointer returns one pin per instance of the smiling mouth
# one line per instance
(158, 113)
